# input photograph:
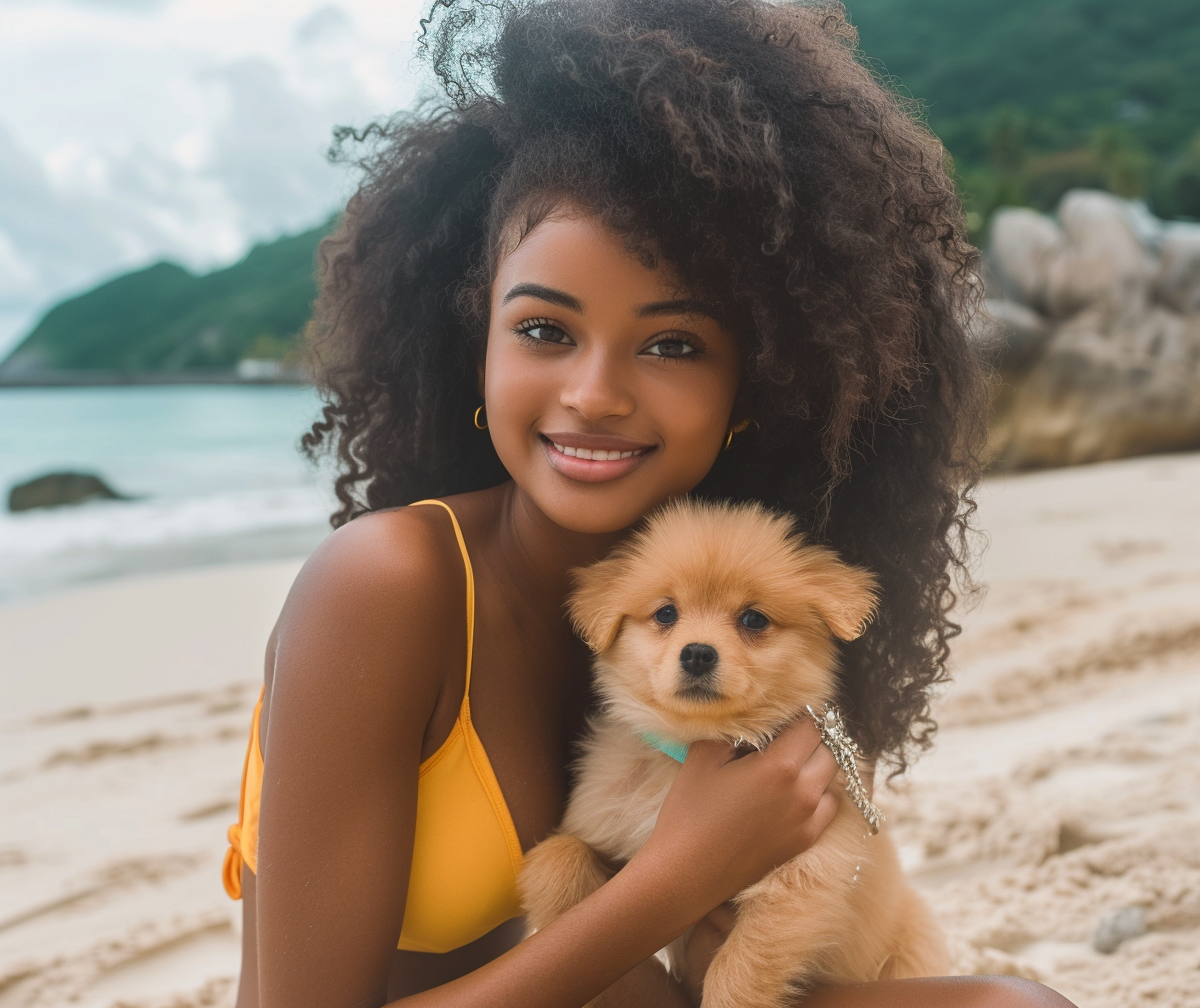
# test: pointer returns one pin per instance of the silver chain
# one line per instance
(845, 749)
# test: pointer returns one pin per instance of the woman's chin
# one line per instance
(595, 508)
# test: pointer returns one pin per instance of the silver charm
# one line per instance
(844, 749)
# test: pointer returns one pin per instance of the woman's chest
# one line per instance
(528, 700)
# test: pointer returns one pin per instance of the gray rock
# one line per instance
(1106, 386)
(1010, 334)
(1104, 261)
(1115, 368)
(1111, 932)
(55, 489)
(1022, 245)
(1178, 280)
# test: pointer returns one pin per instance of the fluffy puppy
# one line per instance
(717, 622)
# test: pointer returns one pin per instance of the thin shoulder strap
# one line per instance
(462, 545)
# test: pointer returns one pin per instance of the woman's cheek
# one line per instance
(518, 400)
(693, 417)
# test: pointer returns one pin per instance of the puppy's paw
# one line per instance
(558, 873)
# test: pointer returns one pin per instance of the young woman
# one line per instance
(648, 248)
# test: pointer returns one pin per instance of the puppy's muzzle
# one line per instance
(698, 660)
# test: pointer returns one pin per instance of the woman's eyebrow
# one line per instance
(556, 297)
(682, 307)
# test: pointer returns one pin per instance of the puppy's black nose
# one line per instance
(698, 659)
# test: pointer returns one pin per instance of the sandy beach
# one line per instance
(1059, 811)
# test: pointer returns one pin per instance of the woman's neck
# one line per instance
(536, 553)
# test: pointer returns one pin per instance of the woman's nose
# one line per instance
(598, 387)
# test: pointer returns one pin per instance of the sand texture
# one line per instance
(124, 727)
(1065, 784)
(1063, 796)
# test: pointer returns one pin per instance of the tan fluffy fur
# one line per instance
(842, 912)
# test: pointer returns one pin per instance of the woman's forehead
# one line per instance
(570, 255)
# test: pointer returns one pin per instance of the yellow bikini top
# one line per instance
(466, 856)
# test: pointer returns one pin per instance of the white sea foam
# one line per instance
(45, 533)
(45, 549)
(215, 471)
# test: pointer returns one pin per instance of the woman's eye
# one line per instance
(542, 332)
(752, 619)
(667, 615)
(671, 348)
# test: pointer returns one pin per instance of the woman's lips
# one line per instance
(592, 458)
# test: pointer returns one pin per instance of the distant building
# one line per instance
(255, 369)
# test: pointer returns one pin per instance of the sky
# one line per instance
(137, 130)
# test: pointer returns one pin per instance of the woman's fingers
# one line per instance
(796, 752)
(739, 818)
(798, 740)
(823, 814)
(793, 746)
(820, 767)
(705, 753)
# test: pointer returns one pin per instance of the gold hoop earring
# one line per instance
(480, 426)
(737, 429)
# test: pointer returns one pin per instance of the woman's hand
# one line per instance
(728, 821)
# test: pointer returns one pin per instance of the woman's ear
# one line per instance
(843, 596)
(595, 604)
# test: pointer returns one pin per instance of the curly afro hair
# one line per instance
(746, 144)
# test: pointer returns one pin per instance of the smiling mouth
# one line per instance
(593, 458)
(597, 454)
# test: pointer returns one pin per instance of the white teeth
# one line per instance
(597, 454)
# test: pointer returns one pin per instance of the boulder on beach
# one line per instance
(1178, 279)
(55, 489)
(1102, 261)
(1094, 330)
(1023, 245)
(1009, 334)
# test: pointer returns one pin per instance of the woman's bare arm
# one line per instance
(368, 628)
(363, 648)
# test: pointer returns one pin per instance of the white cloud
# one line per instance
(133, 130)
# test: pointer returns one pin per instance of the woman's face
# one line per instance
(607, 390)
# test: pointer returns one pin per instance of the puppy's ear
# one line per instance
(843, 596)
(595, 606)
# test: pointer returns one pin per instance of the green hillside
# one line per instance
(1033, 97)
(164, 318)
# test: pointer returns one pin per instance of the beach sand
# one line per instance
(1064, 787)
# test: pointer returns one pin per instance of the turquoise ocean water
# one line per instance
(214, 470)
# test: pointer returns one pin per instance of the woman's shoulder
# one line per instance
(400, 553)
(385, 595)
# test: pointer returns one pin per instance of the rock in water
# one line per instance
(55, 489)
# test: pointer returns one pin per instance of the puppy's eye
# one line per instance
(752, 619)
(667, 615)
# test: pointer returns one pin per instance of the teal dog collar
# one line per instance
(676, 750)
